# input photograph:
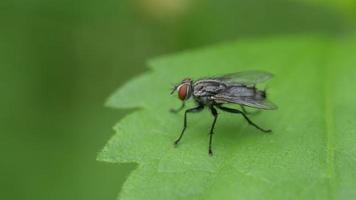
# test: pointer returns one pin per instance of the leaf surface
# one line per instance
(311, 153)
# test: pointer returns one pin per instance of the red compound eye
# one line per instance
(183, 91)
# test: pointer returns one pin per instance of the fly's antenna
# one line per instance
(174, 89)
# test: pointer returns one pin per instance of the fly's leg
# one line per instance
(178, 109)
(243, 109)
(191, 110)
(231, 110)
(247, 112)
(215, 114)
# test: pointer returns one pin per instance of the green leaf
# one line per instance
(311, 153)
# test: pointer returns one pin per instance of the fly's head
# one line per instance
(184, 89)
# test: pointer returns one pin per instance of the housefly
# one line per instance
(215, 92)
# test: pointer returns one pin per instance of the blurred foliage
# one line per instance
(59, 60)
(346, 6)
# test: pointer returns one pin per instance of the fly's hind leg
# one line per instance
(231, 110)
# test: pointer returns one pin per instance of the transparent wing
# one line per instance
(246, 77)
(261, 104)
(247, 101)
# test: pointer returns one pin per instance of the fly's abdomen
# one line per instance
(243, 91)
(260, 94)
(249, 96)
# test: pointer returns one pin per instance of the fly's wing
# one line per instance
(247, 96)
(260, 104)
(246, 101)
(246, 77)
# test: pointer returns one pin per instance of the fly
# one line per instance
(214, 92)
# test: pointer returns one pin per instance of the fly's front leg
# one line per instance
(215, 114)
(191, 110)
(231, 110)
(178, 109)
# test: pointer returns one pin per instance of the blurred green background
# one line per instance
(60, 60)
